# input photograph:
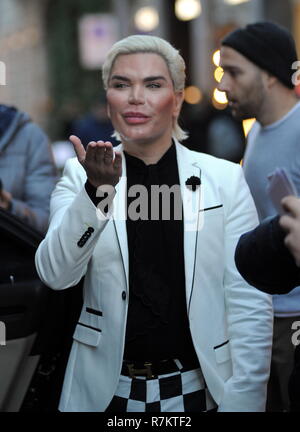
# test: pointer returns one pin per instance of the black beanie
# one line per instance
(269, 46)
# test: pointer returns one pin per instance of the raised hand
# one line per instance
(103, 165)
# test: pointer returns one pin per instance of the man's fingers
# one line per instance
(100, 165)
(95, 152)
(118, 161)
(109, 153)
(99, 152)
(287, 241)
(286, 222)
(90, 152)
(78, 147)
(292, 205)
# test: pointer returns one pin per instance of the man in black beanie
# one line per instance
(259, 63)
(257, 60)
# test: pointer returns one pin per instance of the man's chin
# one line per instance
(236, 114)
(239, 115)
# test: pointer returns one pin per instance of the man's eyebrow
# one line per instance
(154, 78)
(147, 79)
(120, 77)
(230, 67)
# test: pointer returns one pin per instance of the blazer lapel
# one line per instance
(192, 217)
(119, 217)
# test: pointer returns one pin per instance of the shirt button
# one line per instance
(124, 295)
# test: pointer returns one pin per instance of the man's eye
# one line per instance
(154, 85)
(120, 85)
(234, 73)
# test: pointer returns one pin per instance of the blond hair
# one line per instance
(150, 44)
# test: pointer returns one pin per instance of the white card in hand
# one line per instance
(280, 185)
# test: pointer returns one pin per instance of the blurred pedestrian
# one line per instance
(94, 126)
(166, 324)
(258, 79)
(214, 132)
(27, 169)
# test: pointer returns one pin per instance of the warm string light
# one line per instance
(218, 74)
(146, 19)
(219, 99)
(247, 125)
(192, 95)
(216, 58)
(235, 2)
(186, 10)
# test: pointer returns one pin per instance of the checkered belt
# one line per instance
(151, 369)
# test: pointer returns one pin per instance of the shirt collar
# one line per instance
(167, 158)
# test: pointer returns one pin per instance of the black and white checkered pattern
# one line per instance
(181, 391)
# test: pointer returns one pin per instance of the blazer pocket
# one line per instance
(222, 352)
(213, 211)
(87, 335)
(93, 311)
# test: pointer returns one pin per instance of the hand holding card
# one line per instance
(280, 185)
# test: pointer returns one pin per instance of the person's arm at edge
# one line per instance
(264, 261)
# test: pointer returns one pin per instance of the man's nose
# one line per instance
(223, 85)
(136, 95)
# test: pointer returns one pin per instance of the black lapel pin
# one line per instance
(193, 182)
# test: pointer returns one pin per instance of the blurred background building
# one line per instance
(51, 52)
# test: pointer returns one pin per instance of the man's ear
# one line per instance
(179, 97)
(271, 80)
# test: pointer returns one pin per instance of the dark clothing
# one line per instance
(294, 382)
(89, 128)
(263, 260)
(282, 363)
(157, 323)
(7, 114)
(27, 168)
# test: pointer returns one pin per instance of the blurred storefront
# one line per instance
(51, 50)
(23, 56)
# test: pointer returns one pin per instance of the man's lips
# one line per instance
(135, 117)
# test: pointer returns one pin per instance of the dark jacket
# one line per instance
(264, 261)
(27, 168)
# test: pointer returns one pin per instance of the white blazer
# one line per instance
(230, 321)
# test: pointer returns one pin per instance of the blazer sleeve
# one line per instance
(264, 261)
(249, 311)
(75, 226)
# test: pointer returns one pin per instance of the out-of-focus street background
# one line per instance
(51, 55)
(51, 52)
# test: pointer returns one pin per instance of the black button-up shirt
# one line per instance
(157, 323)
